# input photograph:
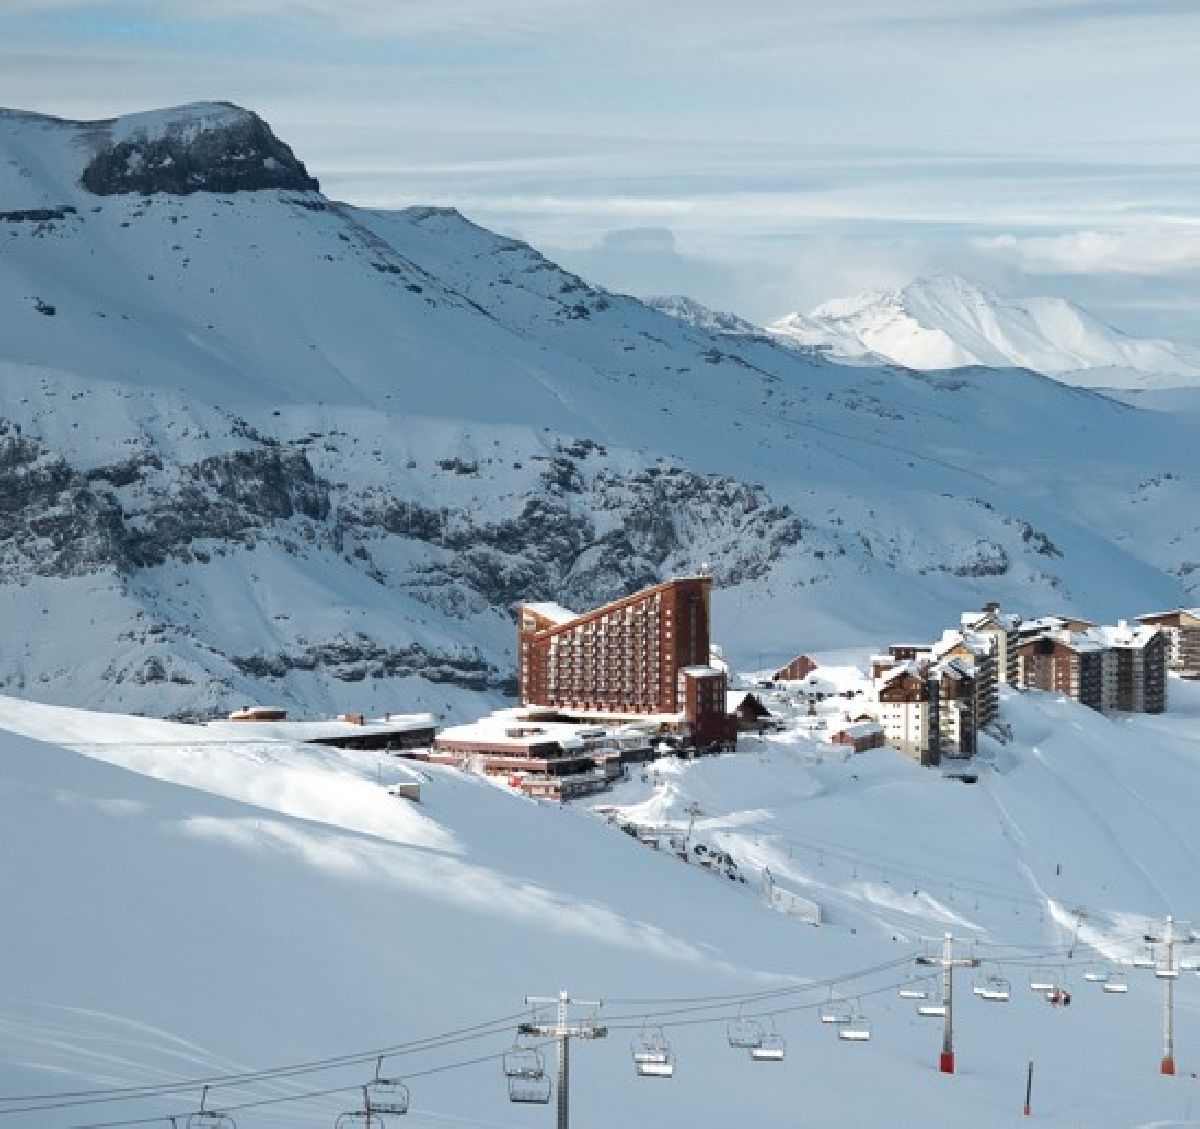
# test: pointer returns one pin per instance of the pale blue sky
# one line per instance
(761, 156)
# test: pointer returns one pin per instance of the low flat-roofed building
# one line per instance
(392, 732)
(544, 755)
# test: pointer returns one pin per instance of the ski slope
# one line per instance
(181, 906)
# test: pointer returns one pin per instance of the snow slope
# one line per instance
(256, 445)
(170, 917)
(947, 322)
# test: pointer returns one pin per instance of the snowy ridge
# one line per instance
(702, 317)
(947, 322)
(259, 445)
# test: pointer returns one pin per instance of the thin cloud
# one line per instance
(1154, 251)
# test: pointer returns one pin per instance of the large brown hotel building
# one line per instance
(646, 654)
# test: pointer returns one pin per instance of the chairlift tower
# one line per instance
(1171, 934)
(948, 961)
(691, 811)
(563, 1030)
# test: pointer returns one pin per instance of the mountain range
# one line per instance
(945, 322)
(259, 445)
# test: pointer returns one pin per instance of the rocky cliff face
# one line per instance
(229, 150)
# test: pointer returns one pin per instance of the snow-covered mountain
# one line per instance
(947, 322)
(259, 445)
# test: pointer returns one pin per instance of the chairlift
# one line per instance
(857, 1029)
(386, 1095)
(834, 1010)
(1166, 972)
(521, 1061)
(205, 1118)
(745, 1033)
(652, 1056)
(771, 1047)
(1116, 984)
(914, 988)
(529, 1089)
(934, 1010)
(993, 989)
(1043, 980)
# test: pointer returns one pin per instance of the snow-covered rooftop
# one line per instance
(556, 613)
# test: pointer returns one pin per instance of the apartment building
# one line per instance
(1063, 662)
(1005, 629)
(643, 655)
(907, 706)
(1181, 629)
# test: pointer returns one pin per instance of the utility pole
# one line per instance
(948, 962)
(1173, 933)
(562, 1030)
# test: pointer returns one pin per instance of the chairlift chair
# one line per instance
(205, 1118)
(914, 988)
(652, 1056)
(1116, 984)
(993, 989)
(521, 1061)
(1166, 972)
(386, 1095)
(857, 1029)
(528, 1089)
(834, 1010)
(1144, 959)
(353, 1119)
(1097, 974)
(933, 1010)
(210, 1119)
(771, 1047)
(1190, 964)
(745, 1033)
(1043, 980)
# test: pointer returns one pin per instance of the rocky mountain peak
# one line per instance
(201, 147)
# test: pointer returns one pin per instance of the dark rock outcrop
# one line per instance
(231, 152)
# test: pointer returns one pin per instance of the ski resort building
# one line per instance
(1005, 629)
(1064, 662)
(646, 655)
(859, 735)
(542, 754)
(1121, 668)
(798, 669)
(957, 717)
(1181, 628)
(962, 671)
(748, 711)
(907, 708)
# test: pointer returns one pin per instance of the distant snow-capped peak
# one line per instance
(946, 322)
